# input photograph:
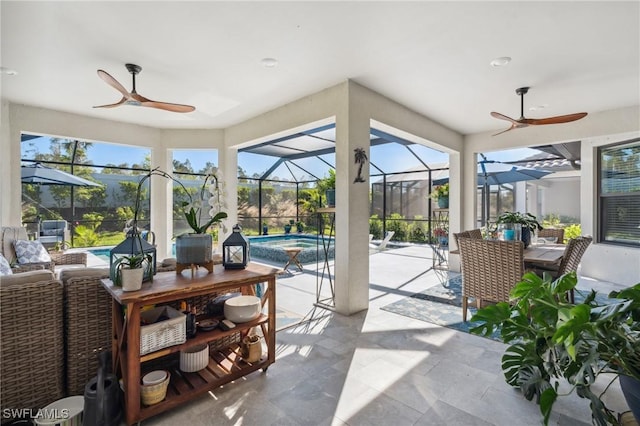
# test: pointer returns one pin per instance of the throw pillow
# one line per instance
(5, 268)
(31, 252)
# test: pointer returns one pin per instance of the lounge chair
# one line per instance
(383, 244)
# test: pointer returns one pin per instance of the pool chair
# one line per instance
(376, 248)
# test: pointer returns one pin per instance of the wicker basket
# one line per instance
(152, 394)
(159, 335)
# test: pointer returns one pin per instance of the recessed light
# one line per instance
(269, 62)
(500, 62)
(8, 71)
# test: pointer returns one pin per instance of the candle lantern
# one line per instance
(235, 250)
(135, 245)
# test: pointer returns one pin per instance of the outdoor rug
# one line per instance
(442, 305)
(286, 319)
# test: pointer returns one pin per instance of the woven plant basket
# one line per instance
(152, 394)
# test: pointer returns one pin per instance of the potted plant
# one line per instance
(288, 226)
(553, 341)
(300, 226)
(440, 195)
(128, 271)
(528, 224)
(196, 247)
(328, 186)
(265, 228)
(442, 235)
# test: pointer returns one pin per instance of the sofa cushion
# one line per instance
(27, 277)
(52, 232)
(67, 274)
(31, 252)
(5, 268)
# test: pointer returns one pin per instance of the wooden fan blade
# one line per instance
(168, 106)
(556, 120)
(504, 131)
(503, 117)
(122, 101)
(113, 83)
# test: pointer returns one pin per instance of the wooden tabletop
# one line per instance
(544, 254)
(165, 284)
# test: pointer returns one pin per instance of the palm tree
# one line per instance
(360, 159)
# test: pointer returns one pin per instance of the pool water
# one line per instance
(272, 247)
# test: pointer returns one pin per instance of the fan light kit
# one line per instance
(133, 98)
(525, 122)
(500, 62)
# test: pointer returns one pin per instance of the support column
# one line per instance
(228, 172)
(352, 207)
(162, 202)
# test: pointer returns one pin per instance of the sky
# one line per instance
(389, 158)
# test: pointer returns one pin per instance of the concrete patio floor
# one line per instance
(376, 367)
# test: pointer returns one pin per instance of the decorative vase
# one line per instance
(287, 229)
(300, 228)
(331, 197)
(526, 236)
(631, 391)
(131, 279)
(443, 202)
(194, 248)
(509, 231)
(265, 230)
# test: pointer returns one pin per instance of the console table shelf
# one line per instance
(225, 362)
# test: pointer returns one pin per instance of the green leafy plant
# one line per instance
(135, 261)
(527, 220)
(572, 231)
(553, 341)
(328, 182)
(440, 191)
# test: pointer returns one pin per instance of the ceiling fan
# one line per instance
(525, 122)
(133, 98)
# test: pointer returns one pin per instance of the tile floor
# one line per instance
(376, 367)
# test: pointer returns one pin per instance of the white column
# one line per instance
(162, 202)
(352, 210)
(228, 172)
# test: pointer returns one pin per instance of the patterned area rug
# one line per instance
(286, 319)
(440, 304)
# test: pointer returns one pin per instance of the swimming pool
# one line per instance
(271, 247)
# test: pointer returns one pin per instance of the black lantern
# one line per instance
(235, 250)
(135, 245)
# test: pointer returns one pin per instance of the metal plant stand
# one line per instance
(324, 275)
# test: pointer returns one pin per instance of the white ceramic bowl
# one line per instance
(242, 308)
(154, 377)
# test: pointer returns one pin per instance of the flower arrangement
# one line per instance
(193, 208)
(440, 191)
(440, 232)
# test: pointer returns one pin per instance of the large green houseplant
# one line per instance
(553, 341)
(528, 222)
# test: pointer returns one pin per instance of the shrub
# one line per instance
(375, 226)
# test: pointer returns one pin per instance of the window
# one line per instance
(619, 194)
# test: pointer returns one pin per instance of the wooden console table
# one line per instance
(225, 364)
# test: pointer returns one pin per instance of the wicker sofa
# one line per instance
(58, 261)
(52, 330)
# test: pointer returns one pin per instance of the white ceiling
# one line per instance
(432, 57)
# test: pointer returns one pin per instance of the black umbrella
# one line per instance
(41, 175)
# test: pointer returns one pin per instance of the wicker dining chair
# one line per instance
(475, 233)
(576, 247)
(557, 233)
(490, 269)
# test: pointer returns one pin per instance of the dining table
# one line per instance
(544, 254)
